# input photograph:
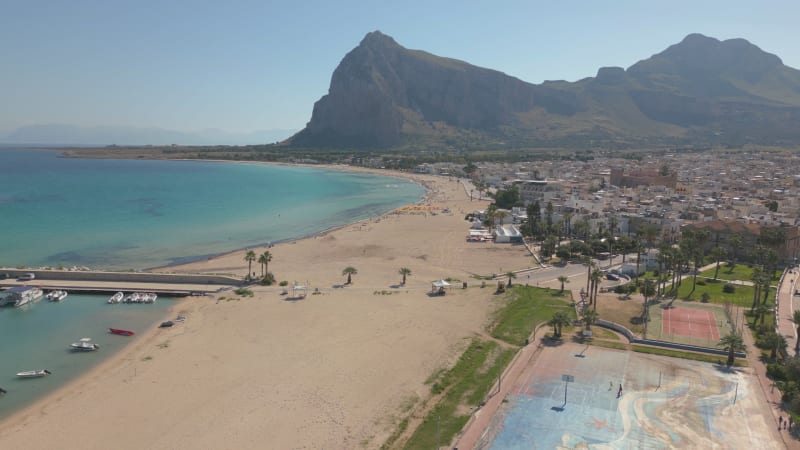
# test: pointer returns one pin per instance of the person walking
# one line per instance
(780, 422)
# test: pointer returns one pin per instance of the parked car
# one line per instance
(26, 277)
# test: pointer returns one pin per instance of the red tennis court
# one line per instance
(689, 322)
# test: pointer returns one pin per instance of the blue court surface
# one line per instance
(664, 403)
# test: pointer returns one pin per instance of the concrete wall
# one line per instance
(634, 340)
(134, 277)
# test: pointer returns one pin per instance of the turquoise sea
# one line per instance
(135, 214)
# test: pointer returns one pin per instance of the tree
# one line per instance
(250, 256)
(349, 271)
(717, 253)
(761, 312)
(264, 260)
(559, 319)
(590, 317)
(775, 343)
(735, 242)
(796, 320)
(507, 198)
(563, 279)
(597, 276)
(648, 290)
(510, 275)
(732, 342)
(404, 271)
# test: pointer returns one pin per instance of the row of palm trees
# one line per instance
(349, 271)
(263, 259)
(560, 319)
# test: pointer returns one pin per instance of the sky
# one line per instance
(242, 66)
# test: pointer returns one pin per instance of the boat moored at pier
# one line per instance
(20, 295)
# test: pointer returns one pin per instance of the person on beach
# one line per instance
(610, 385)
(780, 422)
(619, 392)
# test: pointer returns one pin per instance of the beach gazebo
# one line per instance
(438, 287)
(299, 291)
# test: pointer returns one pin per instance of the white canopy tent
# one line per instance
(439, 286)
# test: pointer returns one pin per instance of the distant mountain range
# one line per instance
(57, 134)
(699, 91)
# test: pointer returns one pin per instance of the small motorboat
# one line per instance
(166, 324)
(84, 345)
(57, 296)
(34, 373)
(116, 298)
(121, 332)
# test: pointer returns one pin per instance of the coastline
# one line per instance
(432, 333)
(352, 169)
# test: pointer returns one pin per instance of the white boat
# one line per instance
(84, 345)
(33, 373)
(150, 297)
(56, 296)
(116, 298)
(20, 295)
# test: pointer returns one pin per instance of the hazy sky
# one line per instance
(248, 65)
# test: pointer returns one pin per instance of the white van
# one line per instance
(26, 277)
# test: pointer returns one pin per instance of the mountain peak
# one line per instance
(377, 39)
(384, 95)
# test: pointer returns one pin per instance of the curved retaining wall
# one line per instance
(133, 277)
(655, 343)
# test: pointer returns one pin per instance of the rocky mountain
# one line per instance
(700, 90)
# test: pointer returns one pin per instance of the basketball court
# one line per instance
(574, 396)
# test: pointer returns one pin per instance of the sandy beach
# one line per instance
(336, 370)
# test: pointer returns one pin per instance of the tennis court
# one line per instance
(686, 322)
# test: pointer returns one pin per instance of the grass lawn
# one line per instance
(739, 272)
(466, 385)
(742, 295)
(527, 308)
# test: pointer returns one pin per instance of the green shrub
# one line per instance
(701, 282)
(268, 280)
(777, 372)
(728, 288)
(283, 283)
(244, 292)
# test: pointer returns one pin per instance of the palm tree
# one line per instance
(264, 260)
(349, 271)
(761, 312)
(756, 277)
(718, 253)
(735, 242)
(589, 317)
(796, 320)
(250, 256)
(404, 271)
(597, 275)
(775, 343)
(733, 343)
(563, 279)
(510, 275)
(559, 319)
(648, 290)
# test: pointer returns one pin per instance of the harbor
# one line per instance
(108, 283)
